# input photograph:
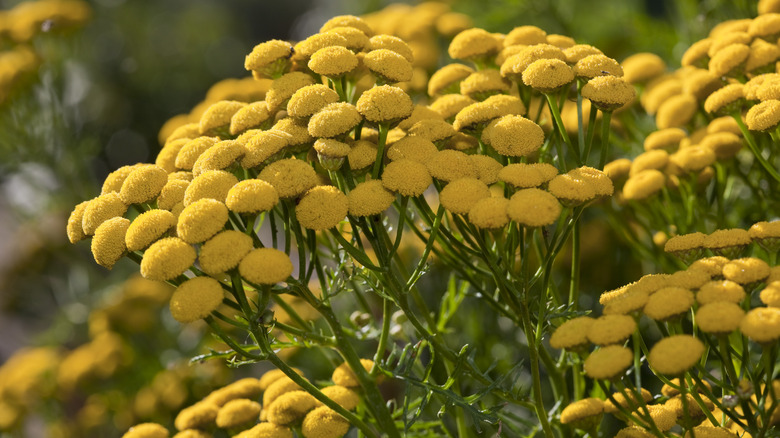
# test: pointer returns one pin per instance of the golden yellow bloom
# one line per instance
(730, 241)
(725, 145)
(218, 157)
(419, 113)
(266, 430)
(143, 184)
(692, 158)
(489, 213)
(388, 65)
(609, 93)
(199, 415)
(393, 43)
(187, 131)
(697, 54)
(308, 100)
(611, 329)
(515, 65)
(238, 412)
(218, 115)
(487, 168)
(345, 397)
(578, 51)
(643, 185)
(762, 54)
(573, 189)
(148, 227)
(322, 208)
(334, 61)
(764, 116)
(761, 324)
(277, 388)
(608, 362)
(572, 334)
(484, 83)
(447, 79)
(547, 75)
(676, 111)
(369, 198)
(670, 391)
(253, 115)
(248, 387)
(284, 87)
(74, 228)
(521, 175)
(333, 120)
(764, 26)
(192, 150)
(726, 39)
(659, 91)
(101, 209)
(688, 279)
(768, 6)
(652, 159)
(290, 407)
(631, 402)
(449, 165)
(701, 83)
(709, 431)
(770, 295)
(729, 59)
(720, 290)
(407, 177)
(642, 67)
(114, 180)
(348, 21)
(625, 300)
(266, 266)
(433, 130)
(295, 131)
(478, 114)
(108, 245)
(344, 376)
(290, 177)
(583, 414)
(597, 65)
(460, 195)
(472, 44)
(668, 302)
(269, 58)
(356, 39)
(533, 208)
(449, 105)
(212, 184)
(224, 251)
(633, 432)
(384, 103)
(195, 299)
(201, 220)
(362, 154)
(251, 196)
(527, 35)
(597, 179)
(263, 146)
(192, 433)
(513, 135)
(166, 259)
(713, 266)
(675, 354)
(725, 100)
(172, 193)
(324, 422)
(618, 170)
(719, 317)
(746, 270)
(147, 430)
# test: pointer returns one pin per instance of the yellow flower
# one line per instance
(633, 432)
(148, 227)
(147, 430)
(348, 21)
(578, 51)
(322, 208)
(308, 100)
(611, 329)
(489, 213)
(697, 54)
(224, 251)
(572, 189)
(266, 430)
(238, 412)
(572, 334)
(114, 180)
(663, 417)
(195, 299)
(597, 65)
(764, 26)
(248, 387)
(644, 184)
(407, 177)
(764, 116)
(433, 130)
(727, 242)
(693, 158)
(709, 431)
(725, 145)
(280, 386)
(609, 93)
(675, 355)
(719, 317)
(263, 146)
(484, 83)
(560, 41)
(344, 376)
(487, 168)
(290, 177)
(254, 115)
(668, 302)
(218, 115)
(547, 75)
(269, 58)
(388, 65)
(324, 422)
(533, 208)
(251, 196)
(166, 259)
(101, 209)
(143, 184)
(449, 105)
(212, 184)
(729, 59)
(473, 44)
(345, 397)
(725, 100)
(526, 35)
(762, 54)
(284, 87)
(652, 159)
(513, 135)
(333, 120)
(746, 270)
(521, 175)
(447, 79)
(770, 295)
(460, 195)
(393, 43)
(200, 415)
(514, 66)
(384, 104)
(642, 67)
(618, 170)
(201, 220)
(108, 245)
(362, 154)
(597, 179)
(218, 157)
(583, 414)
(334, 61)
(369, 198)
(670, 391)
(265, 266)
(192, 150)
(608, 362)
(357, 40)
(724, 290)
(479, 114)
(172, 193)
(449, 165)
(74, 228)
(761, 324)
(290, 407)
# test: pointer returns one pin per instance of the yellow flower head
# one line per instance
(388, 65)
(697, 54)
(407, 177)
(597, 65)
(479, 114)
(728, 242)
(333, 61)
(608, 362)
(195, 299)
(218, 115)
(668, 302)
(489, 213)
(460, 195)
(108, 245)
(201, 220)
(693, 158)
(218, 157)
(597, 179)
(761, 55)
(609, 93)
(521, 175)
(719, 317)
(248, 387)
(254, 115)
(148, 227)
(765, 26)
(322, 208)
(212, 184)
(625, 300)
(487, 168)
(572, 334)
(449, 165)
(611, 329)
(578, 51)
(172, 193)
(251, 196)
(324, 422)
(472, 44)
(618, 170)
(238, 412)
(688, 279)
(266, 430)
(334, 119)
(147, 430)
(764, 116)
(266, 266)
(447, 79)
(264, 146)
(642, 67)
(572, 189)
(770, 295)
(746, 270)
(729, 60)
(526, 35)
(348, 21)
(200, 415)
(675, 355)
(290, 177)
(713, 266)
(449, 105)
(384, 103)
(720, 290)
(369, 198)
(192, 150)
(513, 135)
(114, 180)
(290, 407)
(344, 376)
(393, 43)
(433, 130)
(725, 100)
(547, 75)
(284, 87)
(101, 209)
(345, 397)
(167, 259)
(701, 83)
(725, 145)
(514, 66)
(362, 154)
(762, 324)
(659, 91)
(356, 39)
(651, 159)
(270, 58)
(420, 112)
(308, 100)
(768, 6)
(583, 414)
(643, 185)
(484, 83)
(280, 386)
(74, 228)
(224, 251)
(533, 208)
(143, 184)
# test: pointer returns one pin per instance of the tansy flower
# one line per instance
(74, 228)
(472, 44)
(473, 116)
(200, 415)
(224, 251)
(663, 417)
(143, 184)
(167, 156)
(725, 145)
(324, 422)
(393, 43)
(629, 300)
(608, 362)
(270, 58)
(658, 93)
(694, 411)
(489, 213)
(167, 259)
(290, 407)
(521, 175)
(114, 180)
(101, 209)
(297, 130)
(369, 198)
(693, 158)
(746, 270)
(487, 168)
(460, 195)
(513, 135)
(725, 100)
(172, 193)
(308, 100)
(333, 120)
(583, 414)
(331, 153)
(668, 302)
(362, 154)
(192, 433)
(727, 242)
(212, 184)
(347, 21)
(344, 376)
(514, 66)
(148, 227)
(108, 245)
(187, 130)
(766, 234)
(642, 67)
(219, 156)
(357, 40)
(251, 196)
(724, 290)
(321, 208)
(761, 324)
(578, 51)
(484, 83)
(533, 208)
(201, 220)
(284, 87)
(652, 159)
(449, 165)
(433, 130)
(770, 295)
(597, 65)
(195, 299)
(571, 189)
(218, 115)
(764, 26)
(609, 93)
(345, 397)
(280, 386)
(253, 115)
(618, 170)
(597, 179)
(547, 75)
(412, 148)
(611, 329)
(643, 185)
(729, 59)
(689, 279)
(147, 430)
(266, 430)
(248, 387)
(238, 412)
(290, 177)
(701, 83)
(697, 54)
(572, 334)
(419, 112)
(462, 142)
(449, 105)
(719, 317)
(761, 55)
(764, 116)
(527, 35)
(266, 266)
(270, 377)
(384, 104)
(263, 146)
(334, 61)
(675, 354)
(447, 79)
(388, 65)
(192, 150)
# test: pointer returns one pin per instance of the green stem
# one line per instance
(751, 141)
(605, 120)
(380, 150)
